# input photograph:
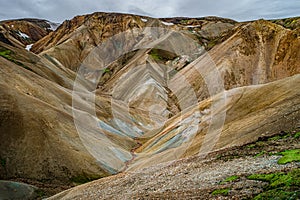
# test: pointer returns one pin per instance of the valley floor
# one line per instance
(227, 174)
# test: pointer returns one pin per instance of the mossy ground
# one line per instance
(230, 179)
(10, 55)
(3, 162)
(275, 184)
(223, 192)
(260, 154)
(281, 185)
(264, 146)
(106, 70)
(292, 155)
(155, 55)
(5, 53)
(162, 55)
(290, 23)
(81, 179)
(40, 193)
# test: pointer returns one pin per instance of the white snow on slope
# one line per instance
(28, 47)
(190, 26)
(23, 35)
(167, 23)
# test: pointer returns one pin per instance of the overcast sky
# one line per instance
(60, 10)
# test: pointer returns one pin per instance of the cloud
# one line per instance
(58, 10)
(138, 11)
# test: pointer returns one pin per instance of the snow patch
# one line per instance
(23, 35)
(167, 23)
(190, 26)
(144, 20)
(28, 47)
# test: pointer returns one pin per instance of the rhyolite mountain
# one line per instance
(23, 32)
(141, 121)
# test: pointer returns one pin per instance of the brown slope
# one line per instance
(258, 52)
(277, 111)
(45, 67)
(39, 138)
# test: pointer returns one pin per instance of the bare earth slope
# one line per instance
(39, 140)
(197, 177)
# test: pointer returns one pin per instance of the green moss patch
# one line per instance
(3, 162)
(260, 154)
(278, 194)
(275, 180)
(290, 23)
(154, 53)
(81, 179)
(40, 193)
(278, 137)
(106, 70)
(212, 43)
(289, 156)
(281, 185)
(251, 146)
(275, 138)
(184, 21)
(223, 192)
(162, 55)
(297, 135)
(8, 55)
(230, 179)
